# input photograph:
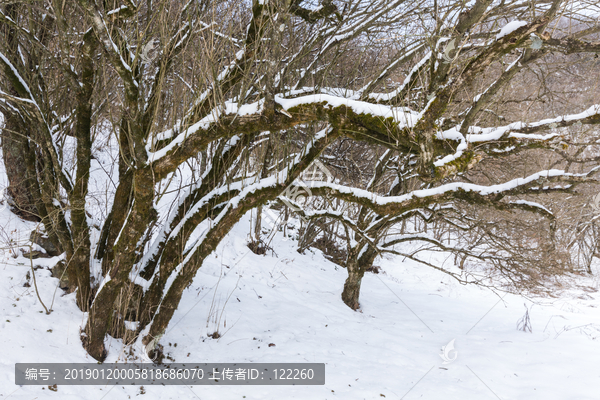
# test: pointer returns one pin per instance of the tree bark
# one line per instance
(16, 156)
(351, 290)
(80, 262)
(16, 151)
(360, 259)
(126, 253)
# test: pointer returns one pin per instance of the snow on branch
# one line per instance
(523, 130)
(364, 16)
(122, 67)
(221, 122)
(21, 86)
(218, 33)
(242, 199)
(403, 116)
(311, 16)
(510, 28)
(18, 81)
(399, 61)
(392, 205)
(516, 130)
(414, 72)
(532, 206)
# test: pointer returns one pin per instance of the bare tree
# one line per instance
(225, 78)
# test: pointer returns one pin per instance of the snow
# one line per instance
(401, 59)
(414, 70)
(206, 26)
(401, 115)
(477, 134)
(504, 150)
(229, 108)
(510, 28)
(590, 112)
(391, 347)
(532, 204)
(442, 189)
(16, 73)
(116, 10)
(452, 134)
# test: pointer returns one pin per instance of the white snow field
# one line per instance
(391, 348)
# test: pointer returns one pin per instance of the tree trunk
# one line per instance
(126, 252)
(15, 153)
(352, 286)
(360, 259)
(258, 225)
(80, 262)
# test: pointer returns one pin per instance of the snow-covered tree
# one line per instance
(218, 107)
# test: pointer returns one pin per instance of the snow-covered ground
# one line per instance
(390, 348)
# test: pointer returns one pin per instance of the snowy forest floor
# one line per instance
(390, 348)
